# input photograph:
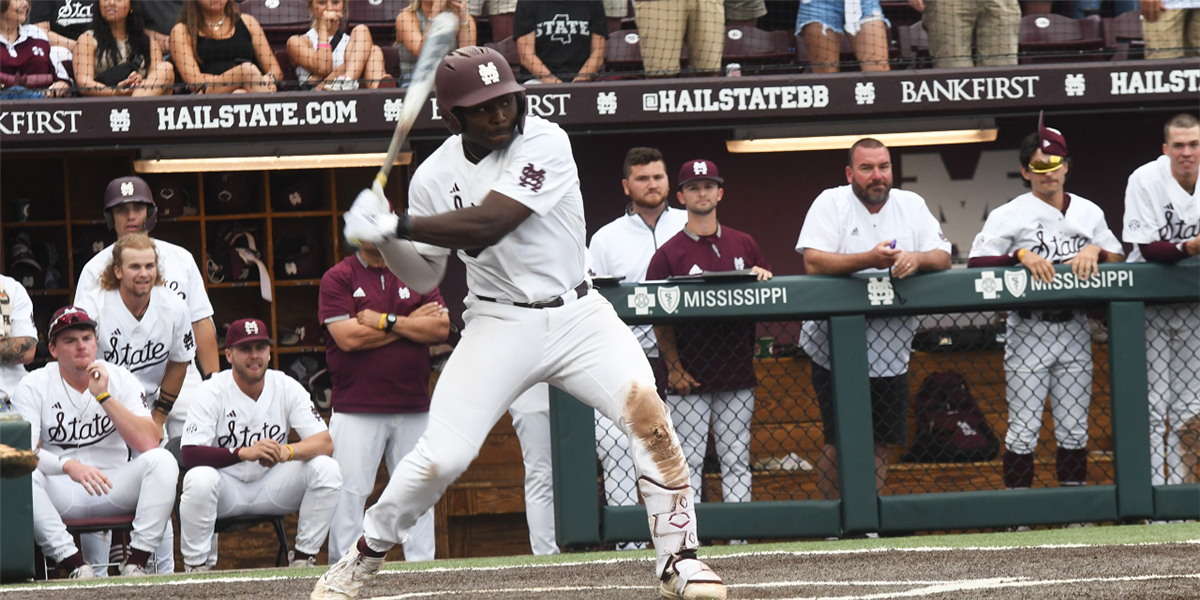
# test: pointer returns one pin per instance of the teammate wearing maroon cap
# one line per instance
(235, 447)
(86, 416)
(1048, 352)
(505, 193)
(374, 319)
(711, 370)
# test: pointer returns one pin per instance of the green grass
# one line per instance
(1095, 536)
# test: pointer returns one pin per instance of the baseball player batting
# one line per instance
(505, 193)
(1049, 352)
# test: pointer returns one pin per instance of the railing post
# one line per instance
(855, 438)
(1130, 409)
(576, 489)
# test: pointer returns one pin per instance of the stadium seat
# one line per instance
(1123, 36)
(379, 16)
(913, 43)
(1047, 38)
(758, 51)
(290, 80)
(623, 55)
(508, 47)
(280, 19)
(121, 525)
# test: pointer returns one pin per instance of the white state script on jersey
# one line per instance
(1030, 223)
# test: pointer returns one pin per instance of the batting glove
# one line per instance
(370, 218)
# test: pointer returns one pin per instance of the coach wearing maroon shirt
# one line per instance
(711, 364)
(378, 352)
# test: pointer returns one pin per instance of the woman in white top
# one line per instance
(117, 58)
(326, 58)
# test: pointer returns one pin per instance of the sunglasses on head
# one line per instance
(1052, 163)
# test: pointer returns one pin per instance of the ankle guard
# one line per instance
(672, 516)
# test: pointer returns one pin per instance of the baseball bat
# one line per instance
(439, 39)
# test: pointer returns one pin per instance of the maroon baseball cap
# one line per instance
(69, 317)
(699, 169)
(247, 330)
(1052, 143)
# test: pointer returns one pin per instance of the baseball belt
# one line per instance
(1049, 316)
(580, 291)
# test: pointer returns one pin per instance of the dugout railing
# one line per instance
(1122, 289)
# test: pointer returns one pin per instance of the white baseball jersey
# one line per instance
(16, 321)
(1028, 222)
(175, 265)
(1158, 209)
(164, 333)
(544, 256)
(72, 425)
(624, 247)
(222, 416)
(838, 222)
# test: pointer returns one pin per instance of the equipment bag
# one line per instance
(950, 426)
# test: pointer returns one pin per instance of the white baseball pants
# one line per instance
(581, 347)
(144, 487)
(729, 414)
(1054, 359)
(208, 494)
(1173, 370)
(531, 419)
(360, 441)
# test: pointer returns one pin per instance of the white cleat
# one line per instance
(128, 570)
(343, 580)
(370, 219)
(690, 579)
(296, 563)
(84, 572)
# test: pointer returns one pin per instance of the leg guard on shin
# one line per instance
(672, 517)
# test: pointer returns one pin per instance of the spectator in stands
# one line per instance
(219, 50)
(744, 13)
(412, 22)
(26, 68)
(560, 40)
(615, 11)
(953, 25)
(1162, 223)
(374, 319)
(1087, 8)
(664, 25)
(711, 376)
(116, 57)
(1171, 27)
(63, 21)
(823, 22)
(327, 58)
(161, 16)
(869, 227)
(499, 16)
(623, 248)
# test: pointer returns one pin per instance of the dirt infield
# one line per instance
(1132, 571)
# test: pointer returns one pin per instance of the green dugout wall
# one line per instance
(846, 301)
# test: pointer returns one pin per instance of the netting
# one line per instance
(960, 402)
(192, 47)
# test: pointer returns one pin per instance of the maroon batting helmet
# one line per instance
(473, 75)
(123, 190)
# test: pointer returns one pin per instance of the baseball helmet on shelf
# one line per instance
(473, 75)
(123, 190)
(172, 198)
(299, 258)
(301, 193)
(230, 193)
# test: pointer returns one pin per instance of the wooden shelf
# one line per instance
(231, 285)
(301, 214)
(298, 349)
(236, 217)
(25, 224)
(49, 292)
(296, 282)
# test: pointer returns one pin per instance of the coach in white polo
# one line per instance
(86, 416)
(18, 336)
(866, 226)
(235, 445)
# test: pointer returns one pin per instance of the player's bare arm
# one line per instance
(92, 479)
(318, 444)
(1086, 263)
(207, 356)
(141, 434)
(678, 379)
(820, 262)
(351, 335)
(1192, 246)
(17, 350)
(1041, 269)
(168, 392)
(471, 227)
(909, 263)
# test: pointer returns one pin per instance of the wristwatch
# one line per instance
(391, 322)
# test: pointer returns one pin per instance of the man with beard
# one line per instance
(235, 447)
(710, 365)
(869, 227)
(623, 249)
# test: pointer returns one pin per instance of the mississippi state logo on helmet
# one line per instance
(473, 75)
(123, 190)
